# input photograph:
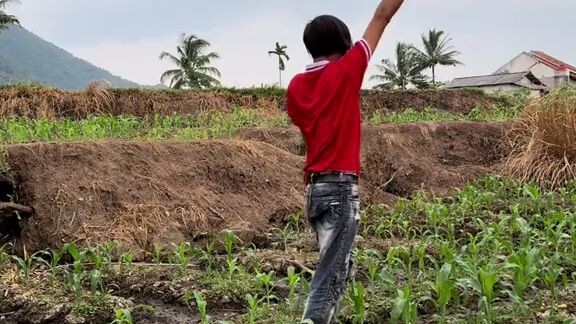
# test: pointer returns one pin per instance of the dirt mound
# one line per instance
(36, 102)
(400, 159)
(141, 193)
(288, 139)
(438, 157)
(454, 101)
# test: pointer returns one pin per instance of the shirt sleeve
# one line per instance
(355, 63)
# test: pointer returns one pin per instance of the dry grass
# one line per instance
(543, 141)
(99, 99)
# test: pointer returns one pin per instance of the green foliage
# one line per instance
(402, 73)
(124, 315)
(192, 65)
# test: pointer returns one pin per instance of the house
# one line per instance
(551, 71)
(536, 71)
(502, 82)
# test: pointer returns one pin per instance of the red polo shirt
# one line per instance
(324, 102)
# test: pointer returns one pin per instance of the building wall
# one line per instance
(508, 88)
(525, 62)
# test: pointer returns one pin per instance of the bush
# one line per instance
(543, 141)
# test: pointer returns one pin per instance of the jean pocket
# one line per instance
(325, 212)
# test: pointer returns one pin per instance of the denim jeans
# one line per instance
(333, 211)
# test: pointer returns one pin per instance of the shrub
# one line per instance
(543, 141)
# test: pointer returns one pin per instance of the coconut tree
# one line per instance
(6, 19)
(280, 51)
(437, 51)
(402, 72)
(193, 69)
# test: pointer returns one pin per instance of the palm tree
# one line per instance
(437, 51)
(193, 68)
(403, 72)
(6, 19)
(280, 51)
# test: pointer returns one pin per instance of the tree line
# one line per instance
(193, 66)
(193, 61)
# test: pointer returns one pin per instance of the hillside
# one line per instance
(25, 57)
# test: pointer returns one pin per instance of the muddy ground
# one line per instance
(146, 193)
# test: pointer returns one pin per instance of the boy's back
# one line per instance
(324, 102)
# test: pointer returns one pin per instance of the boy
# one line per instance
(324, 102)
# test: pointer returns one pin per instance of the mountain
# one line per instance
(25, 57)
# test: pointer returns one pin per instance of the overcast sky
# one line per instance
(126, 36)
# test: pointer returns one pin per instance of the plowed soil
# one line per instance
(142, 193)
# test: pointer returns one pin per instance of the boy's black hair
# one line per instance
(327, 35)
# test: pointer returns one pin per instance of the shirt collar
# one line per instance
(317, 66)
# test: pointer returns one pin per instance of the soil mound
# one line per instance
(400, 159)
(437, 157)
(141, 193)
(145, 193)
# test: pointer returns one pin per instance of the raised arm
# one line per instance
(384, 13)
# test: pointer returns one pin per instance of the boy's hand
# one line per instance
(384, 13)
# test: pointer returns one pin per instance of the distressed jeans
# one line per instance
(333, 211)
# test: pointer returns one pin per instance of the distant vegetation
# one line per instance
(406, 69)
(25, 57)
(280, 51)
(6, 19)
(193, 67)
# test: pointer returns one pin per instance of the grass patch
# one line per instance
(430, 114)
(209, 126)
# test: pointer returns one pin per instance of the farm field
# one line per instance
(145, 216)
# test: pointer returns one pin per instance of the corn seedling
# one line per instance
(405, 310)
(443, 288)
(96, 282)
(264, 280)
(357, 295)
(182, 256)
(293, 280)
(78, 256)
(232, 267)
(126, 261)
(525, 265)
(201, 305)
(124, 315)
(482, 280)
(254, 308)
(158, 252)
(26, 264)
(229, 240)
(551, 274)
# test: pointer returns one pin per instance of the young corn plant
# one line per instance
(229, 241)
(358, 297)
(126, 260)
(27, 263)
(293, 281)
(482, 280)
(551, 274)
(182, 256)
(265, 280)
(405, 309)
(443, 287)
(254, 308)
(158, 253)
(526, 270)
(201, 305)
(96, 282)
(232, 267)
(124, 315)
